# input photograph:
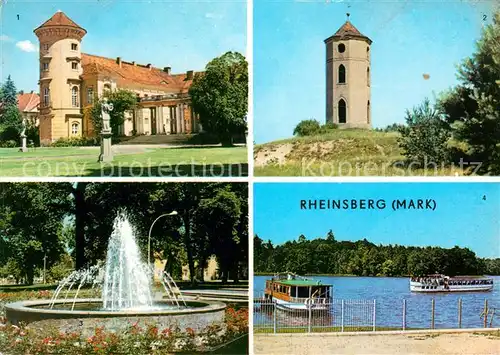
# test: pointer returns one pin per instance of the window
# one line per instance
(45, 66)
(341, 74)
(74, 96)
(341, 48)
(74, 46)
(74, 65)
(74, 128)
(368, 76)
(368, 112)
(367, 52)
(342, 111)
(90, 95)
(45, 46)
(46, 97)
(107, 87)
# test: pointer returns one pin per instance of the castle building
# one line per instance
(71, 80)
(348, 78)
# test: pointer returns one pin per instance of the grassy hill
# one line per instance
(342, 152)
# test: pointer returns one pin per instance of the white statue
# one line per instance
(106, 109)
(23, 132)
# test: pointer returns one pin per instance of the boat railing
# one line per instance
(304, 300)
(287, 275)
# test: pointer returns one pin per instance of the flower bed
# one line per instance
(134, 340)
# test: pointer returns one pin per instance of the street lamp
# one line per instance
(173, 213)
(44, 267)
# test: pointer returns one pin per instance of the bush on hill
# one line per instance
(312, 127)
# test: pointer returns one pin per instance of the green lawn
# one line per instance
(143, 162)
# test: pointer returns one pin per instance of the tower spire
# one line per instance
(348, 14)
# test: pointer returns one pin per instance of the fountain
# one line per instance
(127, 295)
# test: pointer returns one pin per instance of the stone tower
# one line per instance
(60, 83)
(348, 78)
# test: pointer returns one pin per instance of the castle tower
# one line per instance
(60, 83)
(348, 78)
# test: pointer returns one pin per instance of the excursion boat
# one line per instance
(442, 283)
(293, 292)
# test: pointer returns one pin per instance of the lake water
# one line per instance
(389, 293)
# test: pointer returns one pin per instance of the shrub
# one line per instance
(307, 128)
(75, 142)
(9, 144)
(424, 138)
(328, 127)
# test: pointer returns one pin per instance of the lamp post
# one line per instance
(173, 213)
(44, 267)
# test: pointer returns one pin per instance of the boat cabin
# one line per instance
(298, 290)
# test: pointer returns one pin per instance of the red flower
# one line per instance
(190, 331)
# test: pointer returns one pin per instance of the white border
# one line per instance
(380, 179)
(250, 141)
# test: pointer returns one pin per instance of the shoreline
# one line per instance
(351, 275)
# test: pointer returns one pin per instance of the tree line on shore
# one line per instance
(363, 258)
(70, 224)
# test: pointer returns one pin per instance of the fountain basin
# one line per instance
(197, 315)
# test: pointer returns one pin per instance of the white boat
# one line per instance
(293, 292)
(442, 283)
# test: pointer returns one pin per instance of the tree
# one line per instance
(35, 212)
(9, 93)
(218, 217)
(122, 100)
(10, 117)
(58, 219)
(307, 128)
(424, 137)
(362, 258)
(220, 96)
(473, 107)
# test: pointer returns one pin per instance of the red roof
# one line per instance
(347, 31)
(28, 102)
(128, 73)
(60, 19)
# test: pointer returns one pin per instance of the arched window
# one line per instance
(74, 96)
(74, 128)
(46, 97)
(341, 74)
(107, 87)
(368, 76)
(368, 112)
(367, 52)
(342, 111)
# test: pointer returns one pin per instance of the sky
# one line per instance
(466, 214)
(184, 35)
(410, 38)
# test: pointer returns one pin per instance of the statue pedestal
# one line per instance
(106, 155)
(24, 148)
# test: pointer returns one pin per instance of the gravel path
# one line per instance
(300, 344)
